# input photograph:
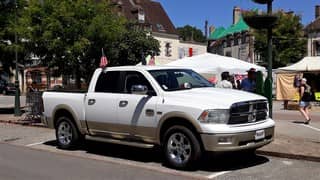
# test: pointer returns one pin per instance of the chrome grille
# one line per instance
(248, 112)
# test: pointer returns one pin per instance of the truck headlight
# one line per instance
(218, 116)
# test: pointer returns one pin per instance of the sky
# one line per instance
(219, 12)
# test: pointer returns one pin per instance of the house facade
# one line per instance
(150, 16)
(235, 41)
(313, 34)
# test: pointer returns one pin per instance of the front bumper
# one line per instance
(236, 141)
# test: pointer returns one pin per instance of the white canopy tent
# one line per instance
(215, 64)
(307, 64)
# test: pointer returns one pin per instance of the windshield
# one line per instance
(179, 79)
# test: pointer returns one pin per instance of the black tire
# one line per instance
(67, 134)
(4, 92)
(189, 145)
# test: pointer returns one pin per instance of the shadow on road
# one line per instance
(210, 162)
(298, 122)
(6, 110)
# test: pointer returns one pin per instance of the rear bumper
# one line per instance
(236, 141)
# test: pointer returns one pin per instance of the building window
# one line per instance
(36, 77)
(168, 49)
(236, 41)
(224, 43)
(141, 16)
(229, 42)
(228, 54)
(182, 53)
(160, 27)
(317, 48)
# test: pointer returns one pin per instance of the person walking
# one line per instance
(305, 98)
(224, 83)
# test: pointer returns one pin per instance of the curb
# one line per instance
(289, 156)
(23, 123)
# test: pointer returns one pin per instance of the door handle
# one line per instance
(123, 103)
(91, 101)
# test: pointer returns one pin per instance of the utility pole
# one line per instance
(17, 111)
(269, 78)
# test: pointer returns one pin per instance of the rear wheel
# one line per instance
(181, 148)
(67, 134)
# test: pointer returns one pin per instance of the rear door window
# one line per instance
(109, 82)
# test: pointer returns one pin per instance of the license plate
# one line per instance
(259, 135)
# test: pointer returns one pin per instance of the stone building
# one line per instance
(313, 34)
(234, 41)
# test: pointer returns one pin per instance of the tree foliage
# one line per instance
(69, 35)
(289, 44)
(7, 32)
(189, 33)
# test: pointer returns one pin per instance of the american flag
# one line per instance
(152, 61)
(103, 60)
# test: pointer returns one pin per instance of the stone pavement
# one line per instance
(293, 139)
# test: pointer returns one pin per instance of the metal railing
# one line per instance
(34, 106)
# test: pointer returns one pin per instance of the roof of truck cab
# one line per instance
(142, 67)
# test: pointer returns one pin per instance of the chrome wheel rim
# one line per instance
(179, 148)
(64, 133)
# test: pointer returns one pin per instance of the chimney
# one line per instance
(317, 11)
(236, 14)
(206, 28)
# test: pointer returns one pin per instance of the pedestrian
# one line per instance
(305, 98)
(224, 83)
(249, 83)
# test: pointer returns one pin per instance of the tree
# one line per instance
(189, 33)
(7, 33)
(289, 44)
(132, 44)
(69, 35)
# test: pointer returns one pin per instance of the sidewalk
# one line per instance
(293, 139)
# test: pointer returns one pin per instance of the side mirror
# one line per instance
(139, 89)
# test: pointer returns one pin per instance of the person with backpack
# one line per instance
(305, 98)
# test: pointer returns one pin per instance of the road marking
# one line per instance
(34, 144)
(311, 127)
(288, 163)
(214, 175)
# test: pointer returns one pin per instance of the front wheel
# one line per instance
(67, 134)
(181, 148)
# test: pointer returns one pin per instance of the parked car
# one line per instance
(172, 107)
(7, 88)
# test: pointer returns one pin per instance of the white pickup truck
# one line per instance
(175, 108)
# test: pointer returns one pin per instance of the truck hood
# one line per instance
(211, 98)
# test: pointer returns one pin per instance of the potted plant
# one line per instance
(259, 20)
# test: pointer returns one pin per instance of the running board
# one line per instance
(122, 142)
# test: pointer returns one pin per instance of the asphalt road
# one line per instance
(31, 153)
(25, 163)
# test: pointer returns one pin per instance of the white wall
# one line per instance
(178, 49)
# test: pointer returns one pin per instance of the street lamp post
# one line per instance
(17, 111)
(265, 22)
(269, 78)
